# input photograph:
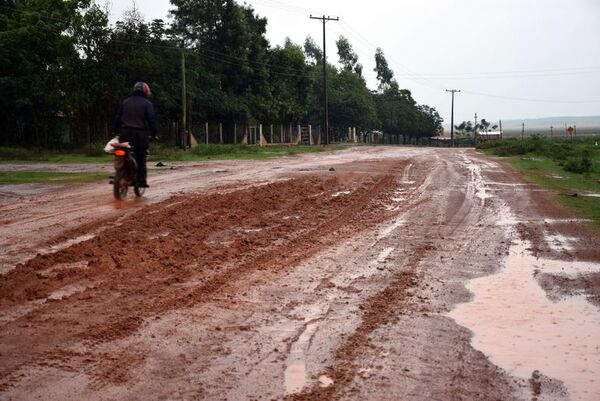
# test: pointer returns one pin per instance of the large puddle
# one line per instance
(521, 330)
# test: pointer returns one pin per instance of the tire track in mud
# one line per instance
(172, 255)
(455, 216)
(387, 305)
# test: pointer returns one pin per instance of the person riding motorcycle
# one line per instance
(134, 118)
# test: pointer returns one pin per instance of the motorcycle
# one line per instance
(125, 172)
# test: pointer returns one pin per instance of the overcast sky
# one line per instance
(512, 59)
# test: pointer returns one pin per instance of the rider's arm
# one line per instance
(150, 118)
(117, 122)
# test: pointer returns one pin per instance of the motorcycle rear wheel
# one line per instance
(120, 185)
(139, 191)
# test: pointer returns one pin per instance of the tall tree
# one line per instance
(290, 83)
(313, 52)
(348, 58)
(385, 75)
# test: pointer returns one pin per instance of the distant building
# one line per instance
(489, 135)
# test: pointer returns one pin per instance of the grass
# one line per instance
(46, 177)
(556, 165)
(159, 152)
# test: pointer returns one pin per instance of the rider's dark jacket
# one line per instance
(135, 113)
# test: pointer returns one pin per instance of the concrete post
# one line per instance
(221, 133)
(206, 130)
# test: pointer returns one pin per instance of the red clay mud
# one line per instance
(278, 280)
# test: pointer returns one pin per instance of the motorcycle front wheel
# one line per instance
(120, 185)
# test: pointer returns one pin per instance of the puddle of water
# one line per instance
(521, 330)
(67, 291)
(406, 174)
(388, 230)
(159, 235)
(335, 195)
(68, 243)
(295, 373)
(325, 381)
(571, 269)
(560, 242)
(559, 221)
(384, 254)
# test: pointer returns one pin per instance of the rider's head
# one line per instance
(142, 88)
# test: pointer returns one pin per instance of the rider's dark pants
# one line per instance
(139, 140)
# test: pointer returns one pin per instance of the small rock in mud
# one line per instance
(332, 169)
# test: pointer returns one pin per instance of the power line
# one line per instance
(213, 55)
(529, 99)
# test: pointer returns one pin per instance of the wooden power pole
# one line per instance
(453, 91)
(324, 19)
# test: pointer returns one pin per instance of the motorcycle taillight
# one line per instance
(119, 152)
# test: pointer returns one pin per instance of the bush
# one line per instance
(95, 149)
(579, 165)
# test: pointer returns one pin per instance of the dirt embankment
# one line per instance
(173, 255)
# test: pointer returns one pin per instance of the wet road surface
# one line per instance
(404, 273)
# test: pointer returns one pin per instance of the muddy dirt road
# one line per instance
(380, 273)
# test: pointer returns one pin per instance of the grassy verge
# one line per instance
(46, 177)
(556, 166)
(159, 152)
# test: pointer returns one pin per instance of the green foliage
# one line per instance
(550, 174)
(348, 58)
(313, 52)
(48, 177)
(64, 69)
(385, 75)
(577, 156)
(581, 164)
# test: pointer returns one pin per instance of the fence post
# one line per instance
(271, 133)
(310, 138)
(221, 133)
(281, 133)
(206, 130)
(260, 135)
(291, 140)
(235, 133)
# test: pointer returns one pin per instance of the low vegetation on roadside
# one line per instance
(48, 177)
(158, 152)
(571, 168)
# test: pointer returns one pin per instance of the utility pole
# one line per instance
(184, 137)
(453, 91)
(551, 132)
(324, 19)
(475, 121)
(501, 134)
(522, 130)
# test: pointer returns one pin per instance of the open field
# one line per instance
(158, 152)
(571, 170)
(380, 273)
(556, 132)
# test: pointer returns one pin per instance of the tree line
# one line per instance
(64, 68)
